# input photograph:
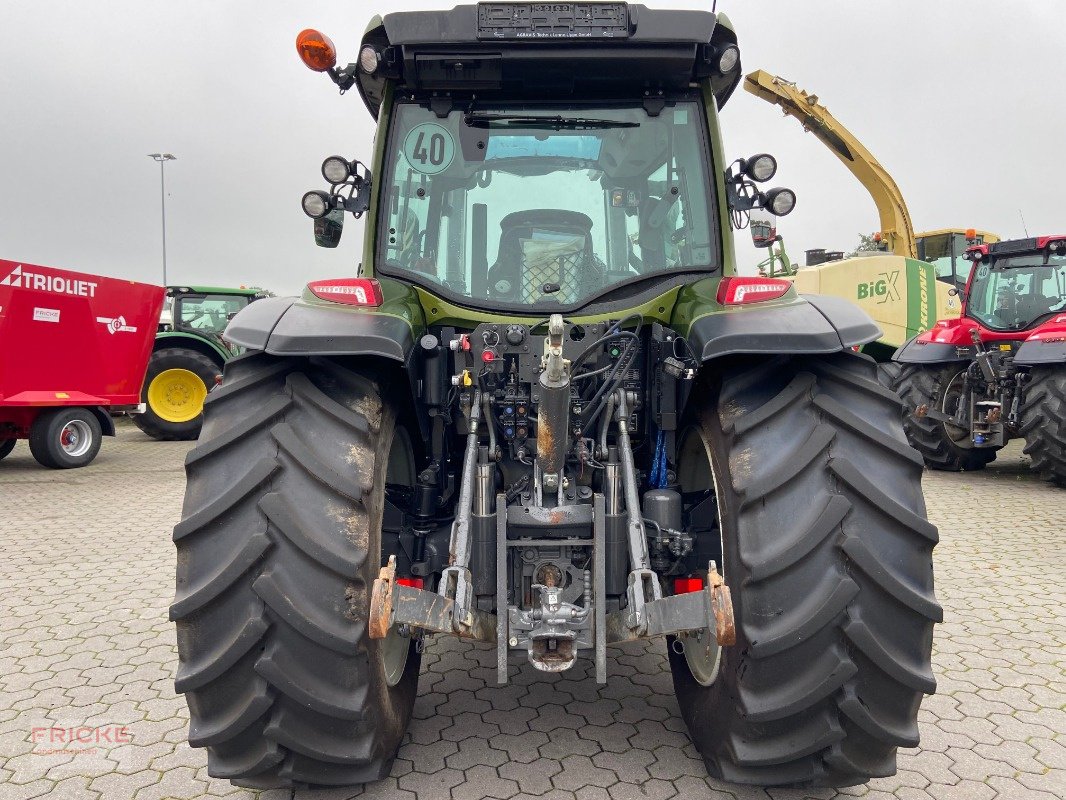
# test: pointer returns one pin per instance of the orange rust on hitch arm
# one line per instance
(722, 606)
(381, 601)
(396, 604)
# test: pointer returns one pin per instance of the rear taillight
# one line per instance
(686, 585)
(414, 583)
(741, 291)
(350, 291)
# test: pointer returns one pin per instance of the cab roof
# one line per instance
(985, 236)
(1021, 247)
(518, 50)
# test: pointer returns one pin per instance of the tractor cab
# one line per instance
(946, 249)
(204, 311)
(1016, 286)
(521, 169)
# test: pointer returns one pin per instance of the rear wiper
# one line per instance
(484, 120)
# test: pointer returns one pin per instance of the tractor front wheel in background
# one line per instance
(6, 446)
(175, 388)
(278, 547)
(938, 387)
(1043, 423)
(65, 438)
(828, 554)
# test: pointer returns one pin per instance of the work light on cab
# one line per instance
(315, 204)
(728, 59)
(336, 169)
(316, 50)
(349, 291)
(761, 168)
(780, 202)
(739, 291)
(369, 59)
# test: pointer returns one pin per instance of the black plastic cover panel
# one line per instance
(552, 21)
(915, 352)
(462, 25)
(852, 324)
(1040, 352)
(795, 328)
(286, 326)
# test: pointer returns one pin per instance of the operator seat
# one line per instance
(541, 246)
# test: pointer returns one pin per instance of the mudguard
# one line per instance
(1042, 351)
(807, 324)
(308, 326)
(209, 345)
(1046, 345)
(107, 425)
(290, 326)
(919, 350)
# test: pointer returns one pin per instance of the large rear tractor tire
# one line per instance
(888, 373)
(938, 443)
(6, 446)
(1043, 423)
(278, 546)
(175, 388)
(828, 554)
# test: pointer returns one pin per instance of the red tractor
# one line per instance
(999, 371)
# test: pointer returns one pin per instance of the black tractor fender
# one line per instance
(289, 326)
(914, 351)
(812, 324)
(1041, 352)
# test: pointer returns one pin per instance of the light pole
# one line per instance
(162, 158)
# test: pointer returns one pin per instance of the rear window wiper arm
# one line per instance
(484, 120)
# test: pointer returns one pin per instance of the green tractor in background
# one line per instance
(188, 357)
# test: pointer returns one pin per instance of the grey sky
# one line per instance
(960, 99)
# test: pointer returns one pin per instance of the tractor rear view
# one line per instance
(998, 372)
(547, 415)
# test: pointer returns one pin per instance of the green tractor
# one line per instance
(188, 357)
(547, 415)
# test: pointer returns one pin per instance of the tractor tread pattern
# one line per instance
(919, 385)
(1043, 423)
(834, 597)
(271, 571)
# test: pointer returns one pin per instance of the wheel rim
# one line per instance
(703, 656)
(76, 438)
(177, 395)
(949, 405)
(396, 647)
(696, 473)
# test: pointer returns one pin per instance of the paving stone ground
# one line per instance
(86, 575)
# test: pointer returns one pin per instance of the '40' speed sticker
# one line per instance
(429, 148)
